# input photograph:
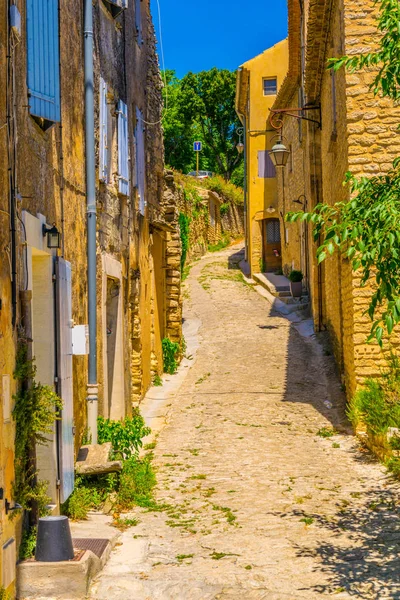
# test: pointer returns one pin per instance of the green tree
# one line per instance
(201, 106)
(366, 228)
(178, 135)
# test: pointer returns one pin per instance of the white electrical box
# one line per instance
(80, 340)
(15, 21)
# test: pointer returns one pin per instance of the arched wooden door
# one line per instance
(272, 249)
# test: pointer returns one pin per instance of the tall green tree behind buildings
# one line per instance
(201, 107)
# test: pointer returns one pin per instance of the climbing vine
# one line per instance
(366, 228)
(36, 409)
(184, 229)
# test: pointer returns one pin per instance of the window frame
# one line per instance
(264, 80)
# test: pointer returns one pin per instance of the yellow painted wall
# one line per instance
(262, 192)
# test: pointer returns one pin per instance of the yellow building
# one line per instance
(258, 82)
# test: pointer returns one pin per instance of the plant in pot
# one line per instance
(296, 283)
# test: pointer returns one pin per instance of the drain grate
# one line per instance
(97, 546)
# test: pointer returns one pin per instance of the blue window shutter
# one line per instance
(140, 161)
(123, 149)
(43, 59)
(103, 143)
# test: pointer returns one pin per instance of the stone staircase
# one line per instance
(279, 286)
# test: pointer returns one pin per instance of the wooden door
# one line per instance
(272, 245)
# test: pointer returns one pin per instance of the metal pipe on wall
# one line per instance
(92, 386)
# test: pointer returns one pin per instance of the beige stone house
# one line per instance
(350, 130)
(43, 277)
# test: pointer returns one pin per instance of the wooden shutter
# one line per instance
(123, 149)
(65, 383)
(103, 149)
(140, 160)
(43, 59)
(266, 168)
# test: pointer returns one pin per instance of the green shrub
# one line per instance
(28, 545)
(137, 481)
(125, 435)
(224, 209)
(170, 354)
(90, 493)
(377, 405)
(295, 276)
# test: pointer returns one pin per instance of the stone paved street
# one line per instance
(260, 506)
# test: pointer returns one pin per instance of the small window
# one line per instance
(273, 231)
(266, 168)
(270, 86)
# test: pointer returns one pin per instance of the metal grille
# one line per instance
(273, 232)
(97, 546)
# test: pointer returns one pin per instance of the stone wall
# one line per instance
(358, 134)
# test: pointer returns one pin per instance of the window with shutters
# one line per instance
(138, 21)
(266, 167)
(123, 149)
(273, 231)
(43, 61)
(140, 160)
(116, 7)
(103, 127)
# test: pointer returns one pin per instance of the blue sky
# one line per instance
(202, 34)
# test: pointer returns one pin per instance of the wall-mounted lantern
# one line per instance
(279, 154)
(53, 236)
(240, 144)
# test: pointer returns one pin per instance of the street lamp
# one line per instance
(53, 236)
(279, 154)
(240, 144)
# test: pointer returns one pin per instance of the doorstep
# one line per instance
(93, 541)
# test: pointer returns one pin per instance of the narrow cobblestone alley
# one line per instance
(256, 505)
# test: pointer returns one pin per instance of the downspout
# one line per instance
(244, 122)
(92, 387)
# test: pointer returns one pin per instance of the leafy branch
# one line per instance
(366, 228)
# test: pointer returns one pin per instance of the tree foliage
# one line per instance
(366, 228)
(201, 106)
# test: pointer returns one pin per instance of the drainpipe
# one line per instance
(244, 122)
(92, 387)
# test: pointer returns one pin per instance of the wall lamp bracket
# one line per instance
(276, 119)
(10, 508)
(300, 200)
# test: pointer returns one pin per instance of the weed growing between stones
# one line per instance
(157, 381)
(171, 352)
(326, 432)
(182, 557)
(219, 555)
(123, 524)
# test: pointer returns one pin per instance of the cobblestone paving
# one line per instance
(260, 506)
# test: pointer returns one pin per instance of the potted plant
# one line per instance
(296, 283)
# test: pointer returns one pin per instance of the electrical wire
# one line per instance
(163, 65)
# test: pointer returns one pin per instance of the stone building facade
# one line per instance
(43, 290)
(357, 134)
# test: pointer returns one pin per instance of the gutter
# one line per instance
(92, 386)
